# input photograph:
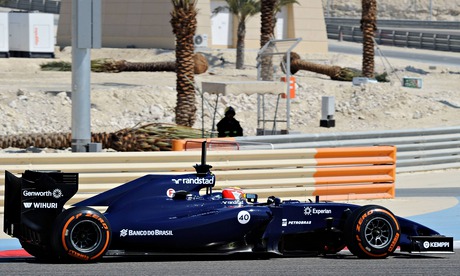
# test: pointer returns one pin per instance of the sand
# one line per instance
(36, 101)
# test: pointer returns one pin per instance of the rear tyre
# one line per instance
(372, 232)
(82, 234)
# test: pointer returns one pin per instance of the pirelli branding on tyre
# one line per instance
(372, 232)
(81, 233)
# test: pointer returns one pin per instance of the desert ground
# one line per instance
(36, 101)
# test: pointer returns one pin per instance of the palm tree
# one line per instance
(108, 65)
(243, 10)
(148, 137)
(267, 30)
(268, 11)
(368, 26)
(333, 71)
(184, 24)
(267, 21)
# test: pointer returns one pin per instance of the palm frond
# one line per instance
(56, 66)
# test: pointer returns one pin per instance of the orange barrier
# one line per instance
(331, 173)
(226, 143)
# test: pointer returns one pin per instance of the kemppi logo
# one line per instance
(428, 244)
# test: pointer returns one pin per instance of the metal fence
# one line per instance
(397, 24)
(433, 39)
(410, 39)
(417, 149)
(47, 6)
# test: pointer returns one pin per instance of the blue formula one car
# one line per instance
(171, 214)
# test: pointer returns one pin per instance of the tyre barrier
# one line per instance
(332, 173)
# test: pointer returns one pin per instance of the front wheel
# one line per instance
(81, 233)
(372, 232)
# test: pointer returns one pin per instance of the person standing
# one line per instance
(229, 126)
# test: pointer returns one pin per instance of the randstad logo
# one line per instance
(194, 181)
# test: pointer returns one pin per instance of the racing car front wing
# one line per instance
(431, 244)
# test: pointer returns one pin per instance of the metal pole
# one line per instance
(431, 10)
(288, 92)
(81, 103)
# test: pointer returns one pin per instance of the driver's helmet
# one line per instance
(233, 193)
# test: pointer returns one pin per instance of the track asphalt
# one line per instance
(429, 198)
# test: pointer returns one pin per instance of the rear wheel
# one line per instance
(81, 233)
(372, 232)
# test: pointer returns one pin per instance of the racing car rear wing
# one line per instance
(34, 200)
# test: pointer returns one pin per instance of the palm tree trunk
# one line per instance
(368, 26)
(116, 66)
(184, 24)
(241, 33)
(334, 72)
(266, 33)
(108, 65)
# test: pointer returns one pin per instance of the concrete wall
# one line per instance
(145, 24)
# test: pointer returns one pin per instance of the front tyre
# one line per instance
(82, 234)
(372, 232)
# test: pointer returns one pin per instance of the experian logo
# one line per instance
(313, 211)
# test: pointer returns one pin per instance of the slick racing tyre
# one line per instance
(81, 234)
(372, 232)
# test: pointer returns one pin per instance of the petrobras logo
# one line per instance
(232, 202)
(428, 244)
(40, 205)
(143, 233)
(314, 211)
(194, 181)
(286, 222)
(56, 193)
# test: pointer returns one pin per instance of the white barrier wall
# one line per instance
(4, 34)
